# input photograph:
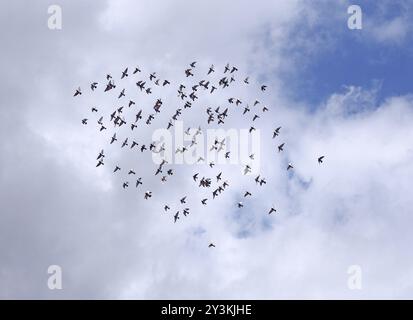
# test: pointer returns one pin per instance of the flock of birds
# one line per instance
(188, 94)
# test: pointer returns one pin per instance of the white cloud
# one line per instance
(353, 209)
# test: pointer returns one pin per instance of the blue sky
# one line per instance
(354, 58)
(354, 209)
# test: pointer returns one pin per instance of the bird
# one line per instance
(203, 201)
(166, 208)
(263, 87)
(247, 193)
(147, 195)
(100, 163)
(320, 159)
(276, 132)
(290, 166)
(113, 139)
(116, 169)
(272, 210)
(281, 147)
(240, 205)
(124, 73)
(176, 216)
(101, 155)
(84, 121)
(78, 92)
(183, 200)
(211, 245)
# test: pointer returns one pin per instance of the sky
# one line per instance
(345, 94)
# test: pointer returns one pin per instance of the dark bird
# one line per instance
(247, 193)
(113, 139)
(148, 194)
(281, 147)
(320, 159)
(166, 208)
(195, 176)
(78, 92)
(176, 216)
(290, 166)
(240, 205)
(116, 169)
(124, 73)
(84, 121)
(138, 182)
(121, 94)
(131, 172)
(165, 82)
(93, 86)
(138, 116)
(125, 143)
(272, 210)
(263, 88)
(100, 163)
(203, 201)
(125, 185)
(101, 155)
(183, 200)
(136, 70)
(276, 132)
(94, 109)
(211, 69)
(211, 245)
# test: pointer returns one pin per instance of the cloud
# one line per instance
(57, 208)
(392, 31)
